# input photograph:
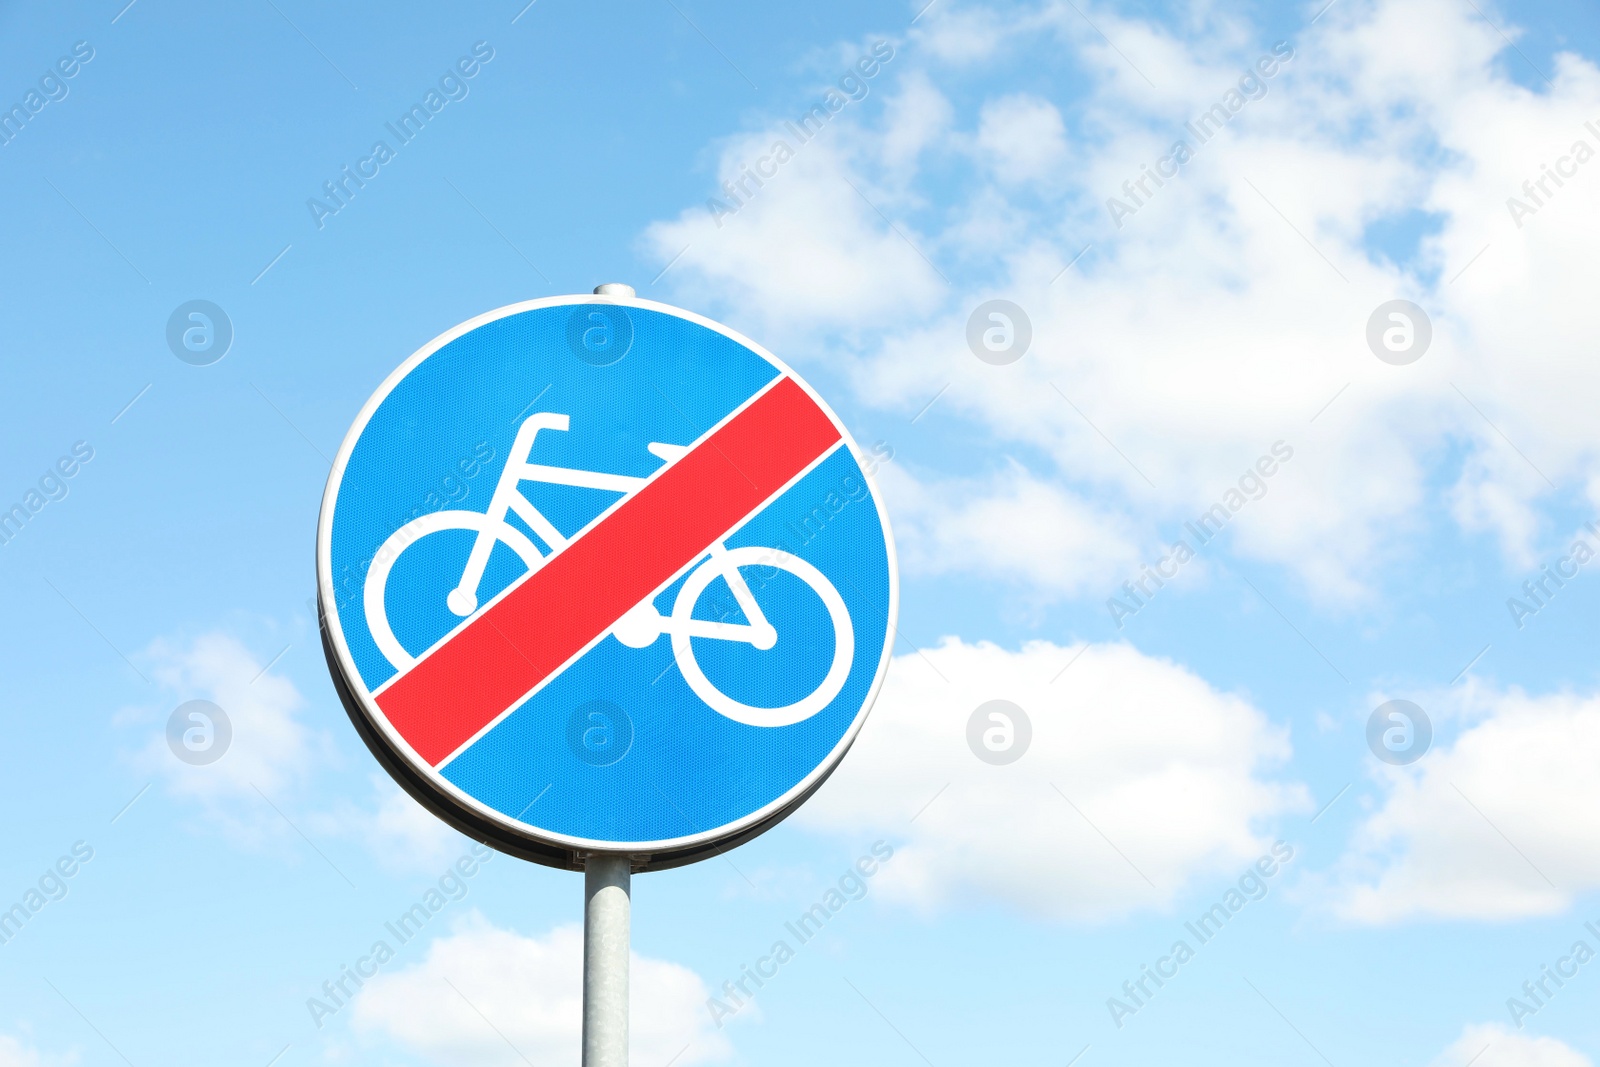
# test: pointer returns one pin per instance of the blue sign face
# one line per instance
(599, 574)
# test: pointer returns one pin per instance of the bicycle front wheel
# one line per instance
(716, 699)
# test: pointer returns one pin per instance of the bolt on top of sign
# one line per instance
(612, 639)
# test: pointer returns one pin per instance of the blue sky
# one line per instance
(1226, 314)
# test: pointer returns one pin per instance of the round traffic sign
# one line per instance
(598, 574)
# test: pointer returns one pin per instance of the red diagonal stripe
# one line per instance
(492, 663)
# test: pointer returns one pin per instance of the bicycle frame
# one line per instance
(508, 499)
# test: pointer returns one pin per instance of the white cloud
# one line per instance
(1009, 525)
(1170, 771)
(271, 749)
(1232, 306)
(401, 834)
(1494, 494)
(1021, 138)
(13, 1053)
(1503, 824)
(805, 249)
(961, 35)
(530, 990)
(915, 119)
(1493, 1045)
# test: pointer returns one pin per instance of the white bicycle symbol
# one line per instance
(642, 625)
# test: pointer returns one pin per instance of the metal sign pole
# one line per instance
(606, 878)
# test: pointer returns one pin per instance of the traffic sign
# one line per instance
(597, 575)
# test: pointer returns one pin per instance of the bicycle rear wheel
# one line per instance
(383, 562)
